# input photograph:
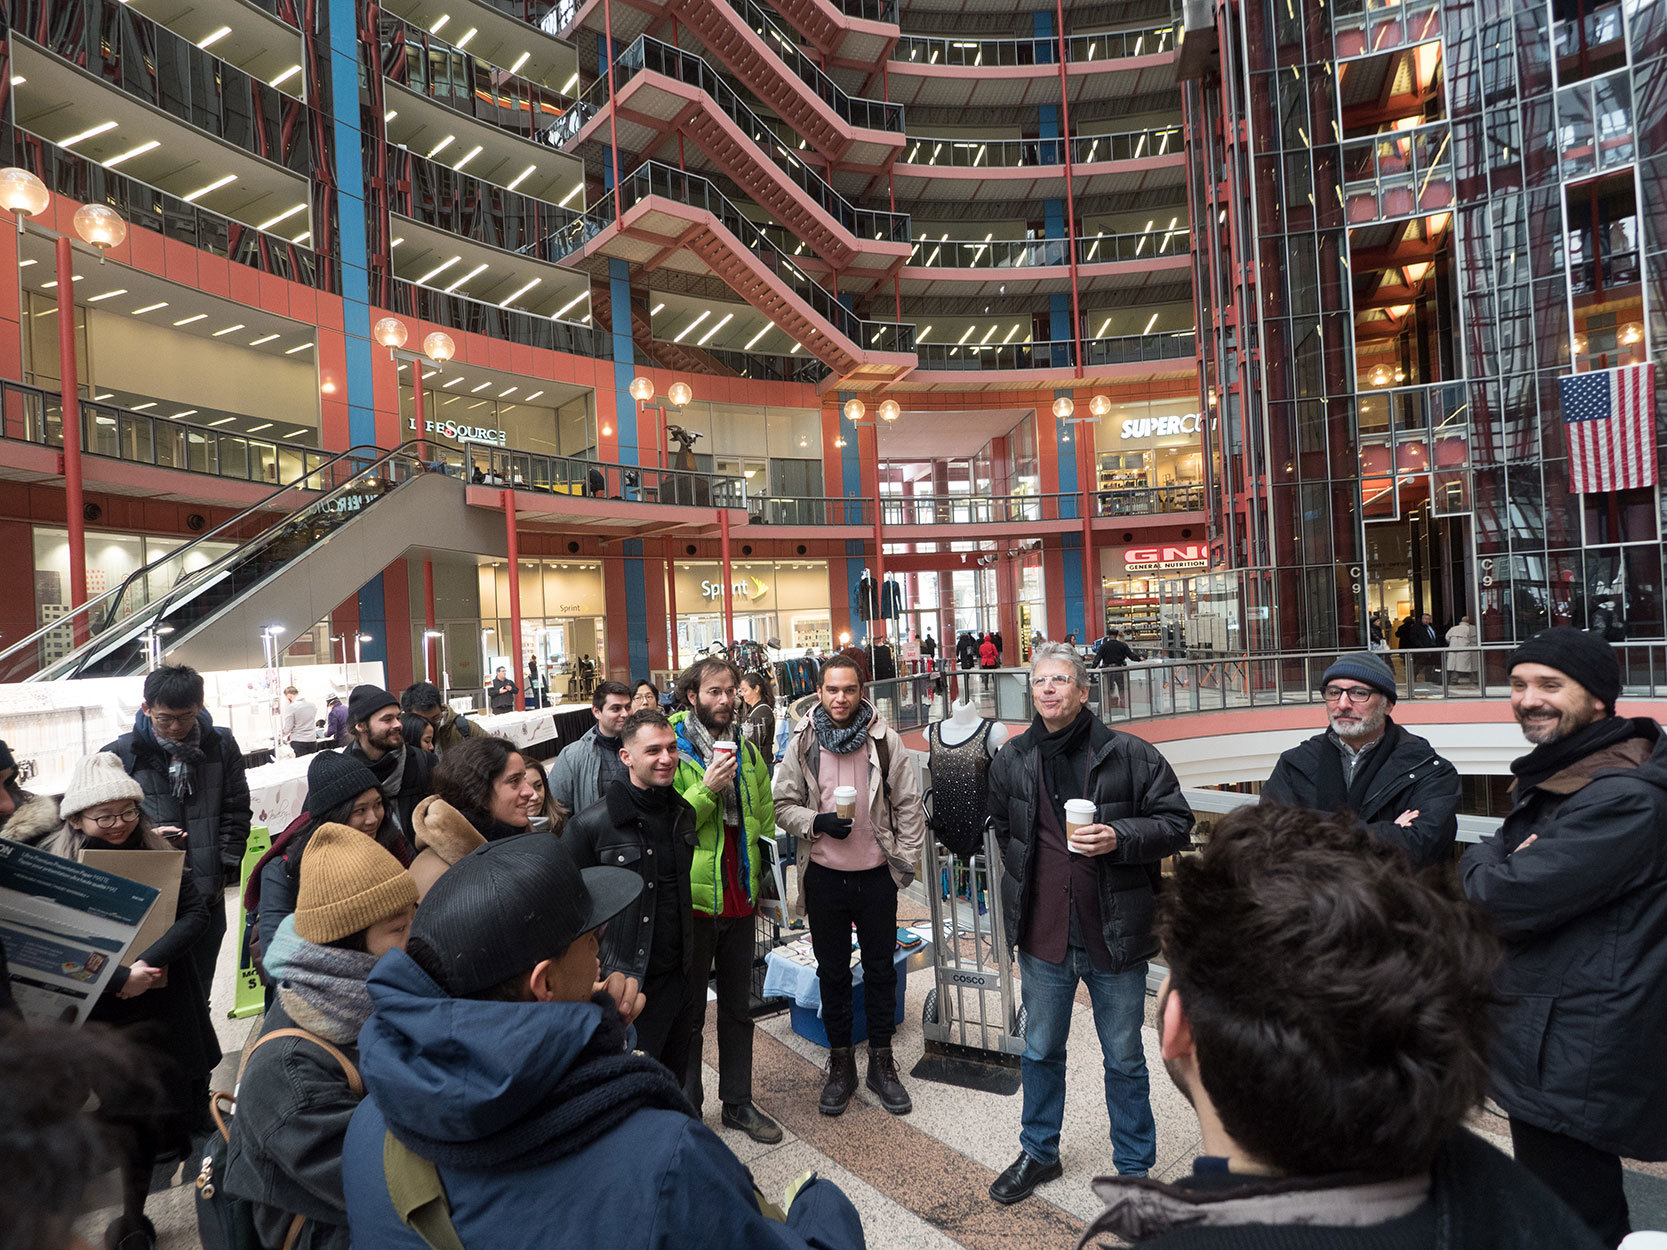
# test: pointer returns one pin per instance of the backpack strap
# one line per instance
(354, 1081)
(418, 1195)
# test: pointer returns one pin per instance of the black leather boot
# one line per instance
(842, 1081)
(884, 1081)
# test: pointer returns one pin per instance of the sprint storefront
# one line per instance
(782, 599)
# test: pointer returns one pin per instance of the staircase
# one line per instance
(663, 353)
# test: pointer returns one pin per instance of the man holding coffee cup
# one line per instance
(1084, 815)
(848, 791)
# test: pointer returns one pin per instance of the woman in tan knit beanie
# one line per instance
(354, 904)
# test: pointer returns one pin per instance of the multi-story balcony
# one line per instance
(932, 70)
(1130, 262)
(1027, 169)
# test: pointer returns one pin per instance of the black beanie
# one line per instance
(6, 758)
(1585, 657)
(334, 778)
(366, 701)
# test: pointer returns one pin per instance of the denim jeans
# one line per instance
(1119, 1003)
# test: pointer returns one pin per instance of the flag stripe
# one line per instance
(1609, 420)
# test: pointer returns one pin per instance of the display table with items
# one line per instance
(790, 973)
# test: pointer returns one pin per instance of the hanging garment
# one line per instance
(867, 600)
(960, 788)
(885, 662)
(891, 599)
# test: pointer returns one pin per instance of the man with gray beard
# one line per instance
(1396, 785)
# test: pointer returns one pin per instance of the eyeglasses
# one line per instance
(171, 719)
(1356, 695)
(1053, 681)
(124, 817)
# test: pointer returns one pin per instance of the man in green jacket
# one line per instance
(727, 781)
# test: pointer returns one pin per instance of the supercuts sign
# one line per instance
(1159, 427)
(460, 433)
(1166, 557)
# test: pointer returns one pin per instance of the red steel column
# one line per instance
(878, 625)
(428, 616)
(422, 454)
(507, 497)
(729, 583)
(68, 374)
(1070, 193)
(613, 129)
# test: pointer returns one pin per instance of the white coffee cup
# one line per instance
(845, 802)
(724, 747)
(1078, 812)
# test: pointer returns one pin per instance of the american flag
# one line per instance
(1610, 419)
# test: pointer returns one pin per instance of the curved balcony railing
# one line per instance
(1026, 153)
(147, 208)
(1098, 249)
(469, 207)
(652, 56)
(654, 179)
(487, 465)
(974, 53)
(34, 415)
(815, 510)
(978, 510)
(414, 58)
(1057, 353)
(858, 111)
(512, 325)
(149, 62)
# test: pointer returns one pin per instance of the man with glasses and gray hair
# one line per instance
(1084, 816)
(1396, 785)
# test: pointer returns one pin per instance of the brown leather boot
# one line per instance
(842, 1081)
(883, 1080)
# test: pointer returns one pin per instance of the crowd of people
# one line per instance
(488, 983)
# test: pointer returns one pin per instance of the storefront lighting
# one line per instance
(1579, 343)
(390, 332)
(22, 194)
(100, 226)
(642, 390)
(854, 410)
(1099, 405)
(1630, 333)
(680, 394)
(889, 410)
(439, 347)
(1379, 375)
(1064, 406)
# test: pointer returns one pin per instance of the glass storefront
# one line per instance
(785, 600)
(563, 620)
(452, 419)
(1145, 447)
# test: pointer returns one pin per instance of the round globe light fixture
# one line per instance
(854, 410)
(641, 390)
(1100, 405)
(889, 410)
(22, 194)
(439, 346)
(101, 226)
(390, 332)
(1064, 406)
(680, 394)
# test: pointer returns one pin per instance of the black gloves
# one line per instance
(831, 825)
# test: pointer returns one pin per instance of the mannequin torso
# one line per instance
(964, 720)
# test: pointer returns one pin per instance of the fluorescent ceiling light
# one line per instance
(533, 396)
(265, 339)
(121, 290)
(727, 318)
(437, 271)
(1150, 324)
(1010, 335)
(47, 286)
(215, 37)
(223, 180)
(988, 335)
(428, 373)
(128, 155)
(568, 198)
(86, 134)
(521, 177)
(223, 421)
(567, 87)
(519, 62)
(150, 308)
(453, 380)
(463, 40)
(301, 348)
(921, 337)
(149, 403)
(396, 242)
(185, 321)
(965, 336)
(440, 146)
(435, 29)
(295, 434)
(506, 393)
(230, 329)
(18, 80)
(264, 425)
(1103, 326)
(180, 416)
(519, 293)
(473, 273)
(302, 237)
(655, 311)
(684, 332)
(284, 77)
(568, 307)
(390, 115)
(753, 341)
(476, 390)
(283, 216)
(468, 156)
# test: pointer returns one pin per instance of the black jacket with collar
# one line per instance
(610, 833)
(1413, 778)
(1577, 1036)
(1135, 791)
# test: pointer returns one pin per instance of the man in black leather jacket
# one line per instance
(1405, 794)
(649, 828)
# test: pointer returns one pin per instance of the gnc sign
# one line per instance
(1166, 557)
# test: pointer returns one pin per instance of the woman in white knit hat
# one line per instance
(152, 1007)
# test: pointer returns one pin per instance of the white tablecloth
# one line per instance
(790, 970)
(277, 792)
(521, 728)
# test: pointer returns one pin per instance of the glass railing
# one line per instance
(1098, 249)
(1398, 173)
(868, 114)
(652, 56)
(770, 368)
(147, 208)
(977, 510)
(489, 93)
(112, 634)
(810, 510)
(484, 464)
(1023, 153)
(34, 415)
(1057, 353)
(973, 53)
(1364, 27)
(458, 312)
(450, 200)
(655, 179)
(870, 10)
(1148, 500)
(149, 62)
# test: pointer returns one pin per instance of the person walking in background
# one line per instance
(988, 655)
(729, 788)
(299, 726)
(851, 867)
(295, 1098)
(1575, 881)
(501, 693)
(158, 1001)
(451, 728)
(194, 785)
(1078, 899)
(1462, 657)
(1115, 654)
(404, 773)
(1393, 781)
(759, 724)
(585, 768)
(535, 686)
(335, 720)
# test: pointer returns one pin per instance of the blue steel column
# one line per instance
(1071, 566)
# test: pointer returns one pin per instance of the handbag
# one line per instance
(226, 1222)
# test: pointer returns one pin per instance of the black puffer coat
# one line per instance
(1577, 1045)
(1135, 791)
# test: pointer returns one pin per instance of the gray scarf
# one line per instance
(184, 754)
(322, 988)
(842, 741)
(700, 745)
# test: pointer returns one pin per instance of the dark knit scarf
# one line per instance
(1546, 761)
(184, 754)
(389, 771)
(493, 830)
(1060, 752)
(604, 1087)
(1332, 793)
(842, 741)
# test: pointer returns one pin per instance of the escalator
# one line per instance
(208, 602)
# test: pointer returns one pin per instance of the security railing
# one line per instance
(1023, 153)
(977, 510)
(1101, 249)
(1148, 500)
(1044, 50)
(31, 414)
(1398, 173)
(858, 111)
(1057, 353)
(458, 312)
(448, 199)
(810, 510)
(487, 465)
(647, 55)
(767, 367)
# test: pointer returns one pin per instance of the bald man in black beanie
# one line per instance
(1575, 881)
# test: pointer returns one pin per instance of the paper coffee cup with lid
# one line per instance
(845, 802)
(724, 746)
(1078, 812)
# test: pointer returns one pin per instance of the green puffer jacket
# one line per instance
(758, 816)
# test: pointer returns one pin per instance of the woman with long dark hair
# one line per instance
(759, 718)
(485, 779)
(545, 814)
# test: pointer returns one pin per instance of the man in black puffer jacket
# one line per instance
(1405, 794)
(1576, 883)
(1081, 908)
(193, 778)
